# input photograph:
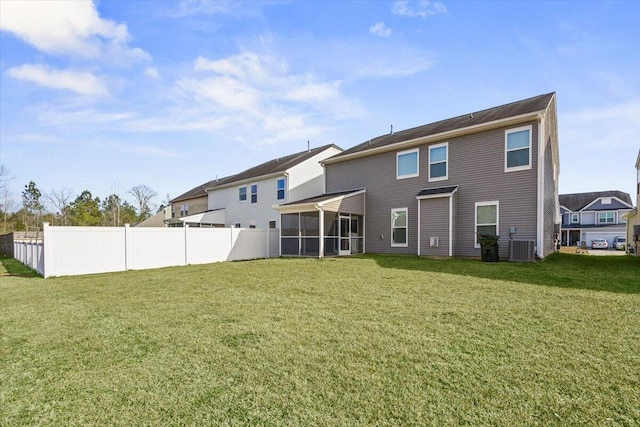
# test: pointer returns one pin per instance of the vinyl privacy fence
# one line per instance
(68, 251)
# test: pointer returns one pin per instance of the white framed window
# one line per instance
(399, 227)
(254, 193)
(184, 210)
(280, 187)
(517, 146)
(575, 218)
(272, 224)
(407, 164)
(486, 223)
(242, 194)
(606, 217)
(439, 162)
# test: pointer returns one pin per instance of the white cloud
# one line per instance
(380, 29)
(68, 28)
(422, 8)
(80, 82)
(152, 150)
(152, 72)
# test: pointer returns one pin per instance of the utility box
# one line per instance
(489, 248)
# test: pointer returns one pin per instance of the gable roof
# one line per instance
(280, 164)
(575, 202)
(198, 191)
(526, 106)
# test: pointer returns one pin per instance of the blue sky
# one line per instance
(107, 95)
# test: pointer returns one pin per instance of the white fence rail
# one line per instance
(68, 251)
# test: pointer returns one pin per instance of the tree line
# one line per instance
(64, 207)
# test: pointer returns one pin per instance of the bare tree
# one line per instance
(143, 195)
(7, 201)
(60, 200)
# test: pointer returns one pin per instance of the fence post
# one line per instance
(46, 245)
(126, 247)
(186, 254)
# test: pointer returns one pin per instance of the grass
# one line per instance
(372, 340)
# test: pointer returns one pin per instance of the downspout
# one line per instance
(418, 227)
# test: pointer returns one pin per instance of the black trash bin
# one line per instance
(489, 248)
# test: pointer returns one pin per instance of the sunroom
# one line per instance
(322, 226)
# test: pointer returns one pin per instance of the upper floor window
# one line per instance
(517, 149)
(407, 164)
(184, 210)
(254, 193)
(242, 194)
(606, 217)
(575, 218)
(486, 220)
(281, 189)
(399, 227)
(438, 162)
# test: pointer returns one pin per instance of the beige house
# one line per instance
(191, 208)
(633, 217)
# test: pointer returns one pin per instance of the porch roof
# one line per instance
(320, 202)
(429, 193)
(212, 217)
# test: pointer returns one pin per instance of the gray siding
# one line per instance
(476, 166)
(434, 222)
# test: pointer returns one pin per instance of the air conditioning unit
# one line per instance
(433, 241)
(522, 250)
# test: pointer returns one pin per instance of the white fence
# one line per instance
(68, 251)
(30, 252)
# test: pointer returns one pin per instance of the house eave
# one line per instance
(246, 181)
(523, 118)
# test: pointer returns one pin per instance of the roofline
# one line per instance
(316, 205)
(246, 180)
(584, 209)
(522, 118)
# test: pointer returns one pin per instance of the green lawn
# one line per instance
(371, 340)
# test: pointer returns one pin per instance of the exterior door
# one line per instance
(345, 236)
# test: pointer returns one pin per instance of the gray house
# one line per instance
(595, 215)
(434, 189)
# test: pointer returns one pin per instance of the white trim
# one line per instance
(571, 221)
(586, 208)
(597, 217)
(495, 203)
(540, 211)
(245, 194)
(402, 153)
(245, 181)
(291, 208)
(446, 162)
(523, 118)
(451, 224)
(419, 226)
(506, 150)
(284, 188)
(400, 245)
(251, 193)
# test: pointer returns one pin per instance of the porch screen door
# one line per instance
(345, 236)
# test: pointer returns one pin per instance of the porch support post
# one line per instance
(321, 242)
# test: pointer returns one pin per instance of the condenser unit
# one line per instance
(522, 250)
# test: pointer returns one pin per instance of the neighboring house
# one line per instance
(246, 199)
(434, 189)
(158, 219)
(192, 208)
(596, 215)
(633, 217)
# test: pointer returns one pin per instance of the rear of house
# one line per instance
(434, 189)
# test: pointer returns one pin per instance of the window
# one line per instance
(517, 149)
(281, 189)
(575, 218)
(184, 210)
(486, 220)
(272, 224)
(238, 225)
(242, 194)
(254, 193)
(399, 227)
(438, 162)
(606, 217)
(407, 164)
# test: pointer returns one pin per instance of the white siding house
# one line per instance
(249, 196)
